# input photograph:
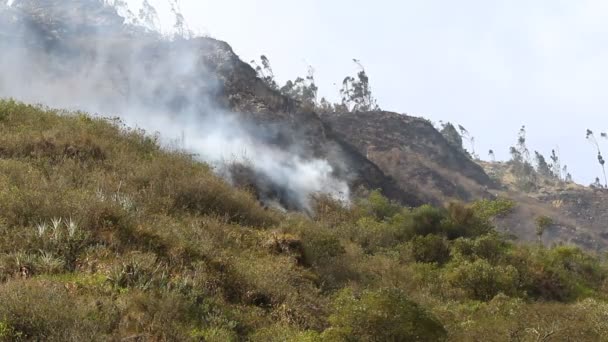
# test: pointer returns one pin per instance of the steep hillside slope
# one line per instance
(78, 54)
(106, 236)
(414, 153)
(578, 212)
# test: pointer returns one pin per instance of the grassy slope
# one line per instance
(153, 246)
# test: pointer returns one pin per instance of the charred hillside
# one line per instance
(414, 153)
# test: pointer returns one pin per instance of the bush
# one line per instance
(426, 220)
(430, 249)
(462, 221)
(489, 247)
(482, 281)
(381, 207)
(562, 273)
(383, 315)
(488, 209)
(374, 235)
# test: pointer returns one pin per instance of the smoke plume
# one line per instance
(83, 55)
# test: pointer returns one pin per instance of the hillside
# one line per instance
(107, 236)
(98, 65)
(170, 194)
(578, 212)
(414, 153)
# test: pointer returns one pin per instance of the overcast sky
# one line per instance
(491, 66)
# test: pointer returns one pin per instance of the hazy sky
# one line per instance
(491, 66)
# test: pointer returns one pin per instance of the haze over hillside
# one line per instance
(490, 66)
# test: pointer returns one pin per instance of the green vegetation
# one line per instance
(106, 236)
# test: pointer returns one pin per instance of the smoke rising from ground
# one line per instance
(79, 55)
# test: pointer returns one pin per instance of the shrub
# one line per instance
(562, 273)
(482, 281)
(489, 247)
(426, 220)
(461, 221)
(383, 315)
(430, 249)
(374, 236)
(380, 207)
(487, 209)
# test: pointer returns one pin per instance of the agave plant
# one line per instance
(41, 228)
(56, 225)
(100, 195)
(48, 263)
(24, 262)
(72, 227)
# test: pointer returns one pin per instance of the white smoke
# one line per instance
(158, 85)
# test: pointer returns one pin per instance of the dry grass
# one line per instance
(106, 236)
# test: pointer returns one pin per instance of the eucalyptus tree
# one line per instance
(356, 92)
(600, 158)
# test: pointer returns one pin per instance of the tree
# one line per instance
(568, 176)
(356, 92)
(521, 144)
(264, 72)
(542, 167)
(303, 89)
(520, 160)
(181, 26)
(148, 16)
(122, 8)
(471, 139)
(597, 183)
(555, 165)
(326, 106)
(591, 138)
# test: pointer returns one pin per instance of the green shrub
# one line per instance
(374, 235)
(489, 247)
(427, 220)
(482, 281)
(379, 207)
(461, 221)
(487, 209)
(562, 273)
(430, 249)
(384, 315)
